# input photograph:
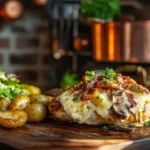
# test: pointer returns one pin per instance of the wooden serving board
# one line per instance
(56, 135)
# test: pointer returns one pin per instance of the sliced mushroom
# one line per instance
(118, 93)
(121, 110)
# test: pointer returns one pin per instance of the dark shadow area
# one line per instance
(6, 147)
(139, 146)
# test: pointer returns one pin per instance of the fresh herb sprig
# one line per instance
(106, 127)
(99, 98)
(88, 107)
(134, 86)
(89, 75)
(75, 99)
(147, 123)
(109, 75)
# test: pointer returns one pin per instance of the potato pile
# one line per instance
(24, 108)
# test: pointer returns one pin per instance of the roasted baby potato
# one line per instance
(33, 89)
(4, 103)
(13, 118)
(40, 98)
(36, 112)
(20, 102)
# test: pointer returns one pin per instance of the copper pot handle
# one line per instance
(142, 70)
(137, 69)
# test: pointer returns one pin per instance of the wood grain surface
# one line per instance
(52, 134)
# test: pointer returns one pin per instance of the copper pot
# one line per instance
(121, 41)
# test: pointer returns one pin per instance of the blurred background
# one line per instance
(51, 43)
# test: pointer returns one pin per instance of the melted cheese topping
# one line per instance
(141, 100)
(100, 103)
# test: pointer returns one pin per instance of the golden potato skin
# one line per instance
(4, 103)
(13, 118)
(36, 112)
(33, 89)
(20, 102)
(40, 98)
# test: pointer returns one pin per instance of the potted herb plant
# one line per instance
(100, 10)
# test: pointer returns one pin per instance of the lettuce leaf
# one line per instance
(10, 86)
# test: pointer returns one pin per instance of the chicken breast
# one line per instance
(106, 98)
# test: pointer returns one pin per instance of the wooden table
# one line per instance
(56, 135)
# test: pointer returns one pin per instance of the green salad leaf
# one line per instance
(10, 86)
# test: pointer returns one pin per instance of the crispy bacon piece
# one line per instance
(120, 99)
(91, 84)
(88, 86)
(131, 99)
(120, 79)
(86, 97)
(137, 88)
(143, 89)
(78, 93)
(128, 80)
(79, 85)
(126, 86)
(83, 78)
(106, 86)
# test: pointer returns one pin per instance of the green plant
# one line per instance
(102, 9)
(68, 79)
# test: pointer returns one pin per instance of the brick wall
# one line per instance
(24, 49)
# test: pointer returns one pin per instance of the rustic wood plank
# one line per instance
(60, 135)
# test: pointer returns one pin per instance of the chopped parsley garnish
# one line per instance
(10, 86)
(89, 75)
(109, 75)
(105, 127)
(88, 107)
(134, 86)
(75, 99)
(99, 98)
(147, 123)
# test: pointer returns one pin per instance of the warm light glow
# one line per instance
(147, 43)
(127, 40)
(134, 59)
(57, 55)
(111, 50)
(77, 44)
(97, 38)
(85, 42)
(41, 2)
(13, 9)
